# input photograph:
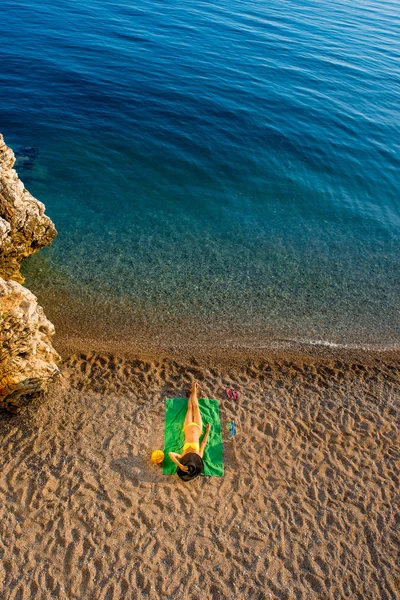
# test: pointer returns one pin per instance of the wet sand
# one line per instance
(308, 506)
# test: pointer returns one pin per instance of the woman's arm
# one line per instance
(174, 457)
(205, 440)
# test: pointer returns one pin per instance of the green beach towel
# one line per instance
(175, 412)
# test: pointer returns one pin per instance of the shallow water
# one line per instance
(233, 168)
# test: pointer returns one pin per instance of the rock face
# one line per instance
(24, 228)
(28, 362)
(27, 359)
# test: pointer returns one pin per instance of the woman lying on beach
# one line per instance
(190, 462)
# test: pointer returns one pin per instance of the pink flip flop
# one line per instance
(228, 392)
(235, 394)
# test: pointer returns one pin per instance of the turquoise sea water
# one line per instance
(225, 169)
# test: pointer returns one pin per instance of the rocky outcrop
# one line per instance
(24, 228)
(28, 362)
(27, 359)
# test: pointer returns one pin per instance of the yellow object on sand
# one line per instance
(157, 456)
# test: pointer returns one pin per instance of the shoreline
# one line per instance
(83, 323)
(229, 355)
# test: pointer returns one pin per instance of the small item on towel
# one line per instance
(174, 437)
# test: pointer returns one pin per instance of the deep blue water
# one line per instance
(230, 169)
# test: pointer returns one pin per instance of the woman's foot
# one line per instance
(194, 389)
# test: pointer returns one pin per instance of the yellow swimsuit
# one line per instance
(194, 445)
(192, 423)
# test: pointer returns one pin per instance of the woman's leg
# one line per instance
(196, 414)
(189, 414)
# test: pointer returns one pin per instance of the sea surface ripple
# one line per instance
(228, 171)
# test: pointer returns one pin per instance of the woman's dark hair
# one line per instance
(194, 463)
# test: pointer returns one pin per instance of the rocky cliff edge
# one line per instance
(28, 361)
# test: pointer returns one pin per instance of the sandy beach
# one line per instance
(308, 506)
